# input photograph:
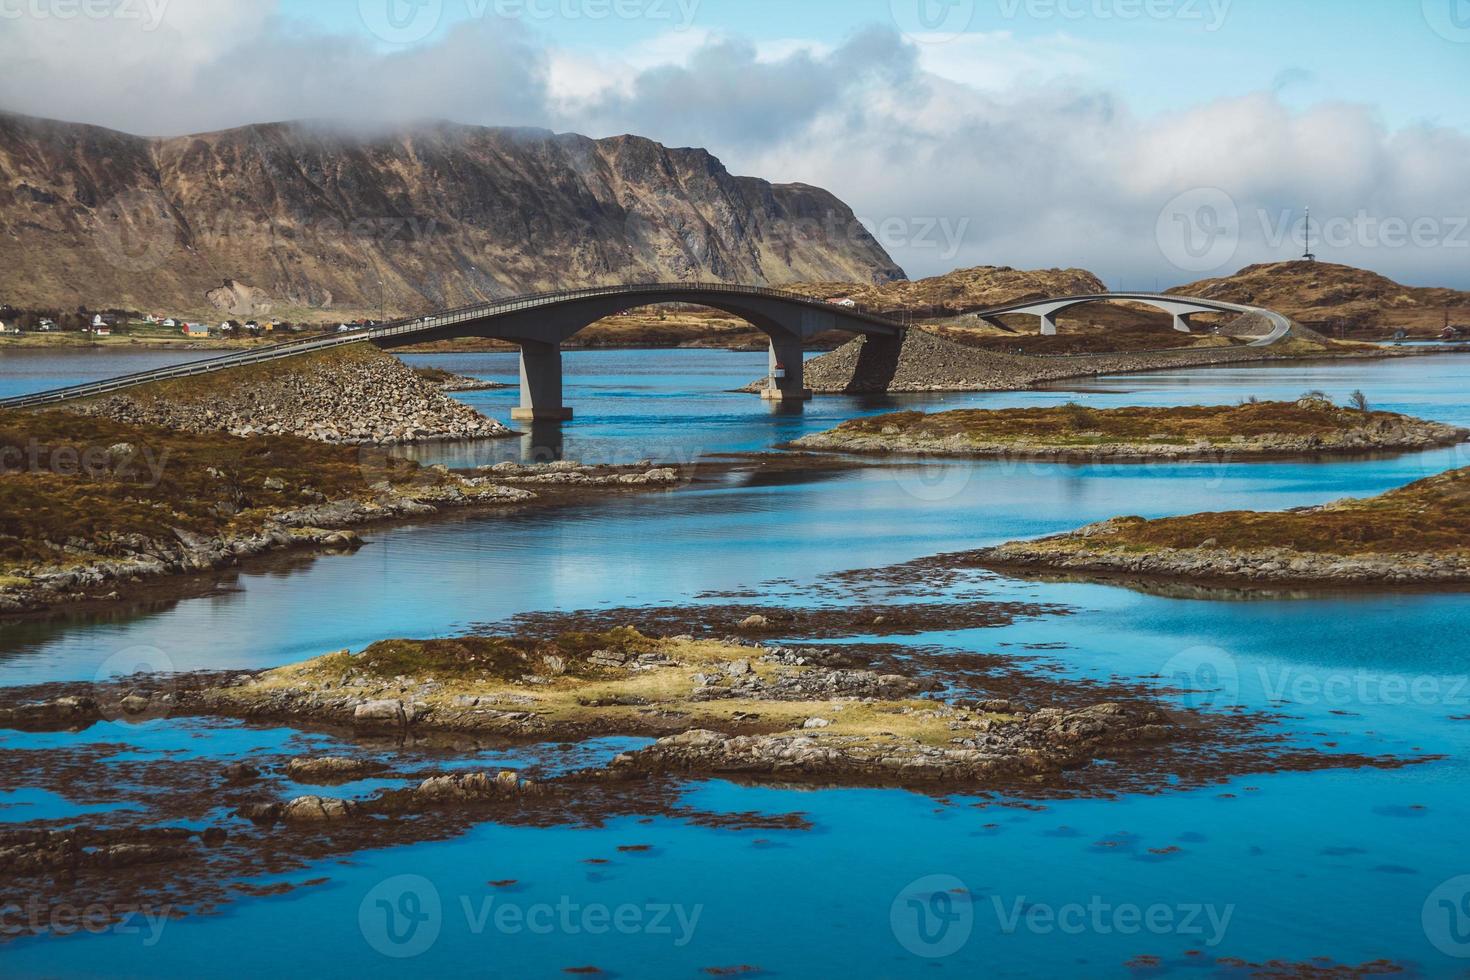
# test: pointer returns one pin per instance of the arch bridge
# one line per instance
(540, 323)
(1180, 307)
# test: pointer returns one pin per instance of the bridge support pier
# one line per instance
(540, 384)
(788, 371)
(1181, 322)
(1048, 324)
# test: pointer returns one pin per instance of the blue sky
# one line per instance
(1383, 53)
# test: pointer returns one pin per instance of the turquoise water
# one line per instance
(1289, 866)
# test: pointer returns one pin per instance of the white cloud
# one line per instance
(1021, 142)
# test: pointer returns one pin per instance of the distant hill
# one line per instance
(289, 218)
(1338, 300)
(963, 290)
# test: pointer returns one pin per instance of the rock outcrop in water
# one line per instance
(281, 217)
(352, 395)
(1256, 430)
(1415, 535)
(925, 362)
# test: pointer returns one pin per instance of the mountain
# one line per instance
(288, 218)
(1338, 300)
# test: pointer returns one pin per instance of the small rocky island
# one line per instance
(1416, 535)
(1311, 426)
(714, 706)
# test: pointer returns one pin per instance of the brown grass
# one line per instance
(1431, 515)
(1073, 424)
(487, 657)
(61, 481)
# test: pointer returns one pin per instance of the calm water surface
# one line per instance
(1291, 866)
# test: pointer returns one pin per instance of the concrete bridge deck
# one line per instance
(540, 323)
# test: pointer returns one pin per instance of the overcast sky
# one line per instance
(1151, 141)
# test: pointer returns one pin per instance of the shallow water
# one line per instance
(1295, 865)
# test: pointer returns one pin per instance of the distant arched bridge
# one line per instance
(540, 323)
(1181, 307)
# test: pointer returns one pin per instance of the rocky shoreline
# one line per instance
(1413, 536)
(1311, 427)
(450, 383)
(350, 395)
(715, 708)
(86, 577)
(925, 362)
(1205, 565)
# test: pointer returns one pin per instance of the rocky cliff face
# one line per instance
(286, 218)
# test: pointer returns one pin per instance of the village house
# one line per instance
(195, 330)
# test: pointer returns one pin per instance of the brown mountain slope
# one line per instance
(290, 217)
(1338, 300)
(963, 290)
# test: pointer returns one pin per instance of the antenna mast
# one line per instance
(1307, 255)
